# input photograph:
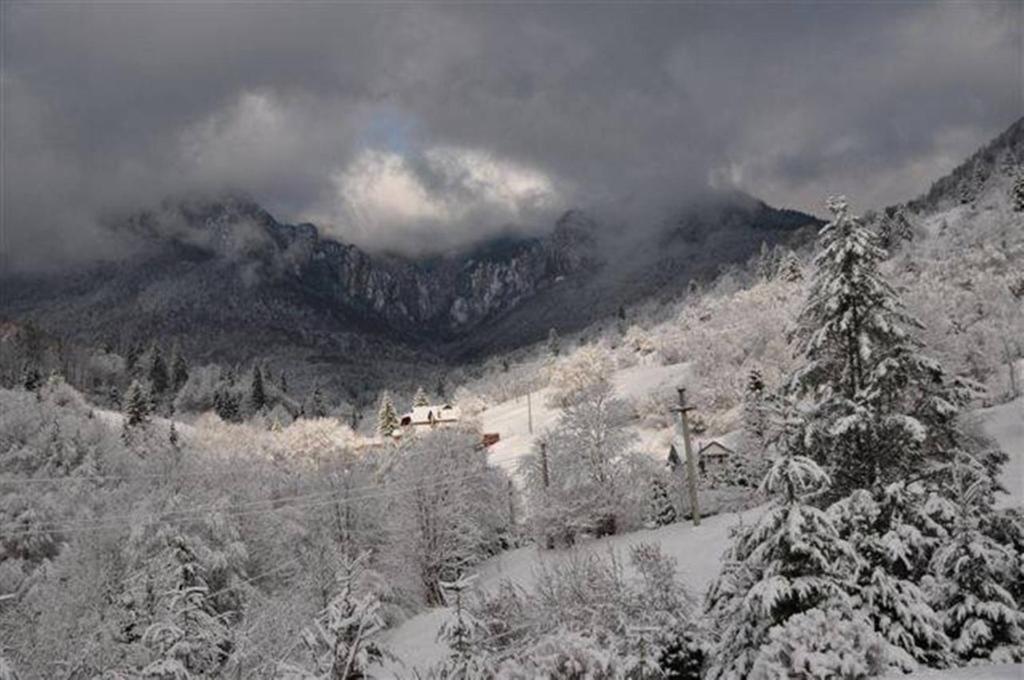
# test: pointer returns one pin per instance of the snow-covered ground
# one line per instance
(1005, 424)
(697, 550)
(511, 419)
(999, 672)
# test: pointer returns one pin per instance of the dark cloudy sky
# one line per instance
(426, 126)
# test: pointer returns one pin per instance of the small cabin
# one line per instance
(713, 456)
(431, 416)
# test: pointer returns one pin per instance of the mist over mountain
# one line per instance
(227, 281)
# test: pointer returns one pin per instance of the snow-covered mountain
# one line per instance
(227, 280)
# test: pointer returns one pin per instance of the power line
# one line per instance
(302, 501)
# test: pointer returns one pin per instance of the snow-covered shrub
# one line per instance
(592, 477)
(592, 613)
(821, 644)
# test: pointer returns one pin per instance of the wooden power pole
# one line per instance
(544, 464)
(691, 463)
(529, 413)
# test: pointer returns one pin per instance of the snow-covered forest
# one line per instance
(214, 525)
(511, 340)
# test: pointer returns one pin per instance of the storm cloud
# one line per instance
(418, 128)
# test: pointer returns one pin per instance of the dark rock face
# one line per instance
(226, 278)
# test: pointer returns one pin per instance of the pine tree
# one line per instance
(465, 635)
(189, 638)
(257, 396)
(872, 393)
(341, 645)
(754, 408)
(895, 533)
(981, 617)
(554, 344)
(315, 406)
(791, 270)
(131, 359)
(225, 404)
(158, 376)
(1018, 192)
(179, 371)
(31, 379)
(791, 561)
(138, 405)
(387, 417)
(664, 511)
(420, 398)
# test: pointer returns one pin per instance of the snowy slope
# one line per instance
(999, 672)
(511, 418)
(1005, 424)
(697, 550)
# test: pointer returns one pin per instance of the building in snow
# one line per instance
(431, 416)
(713, 457)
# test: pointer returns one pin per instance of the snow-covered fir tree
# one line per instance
(464, 635)
(387, 416)
(895, 531)
(872, 394)
(179, 370)
(189, 638)
(257, 393)
(341, 645)
(1017, 192)
(790, 561)
(159, 378)
(315, 406)
(554, 343)
(420, 398)
(137, 404)
(981, 616)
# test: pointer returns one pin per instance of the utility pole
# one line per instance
(529, 412)
(691, 464)
(544, 464)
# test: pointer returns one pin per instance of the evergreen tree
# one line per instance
(981, 617)
(895, 533)
(158, 375)
(257, 396)
(31, 379)
(340, 645)
(664, 511)
(179, 371)
(1018, 192)
(387, 417)
(138, 405)
(189, 638)
(791, 270)
(465, 636)
(791, 561)
(315, 406)
(420, 398)
(282, 383)
(225, 404)
(872, 394)
(441, 389)
(131, 359)
(754, 407)
(554, 344)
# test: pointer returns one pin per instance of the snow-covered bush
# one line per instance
(821, 644)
